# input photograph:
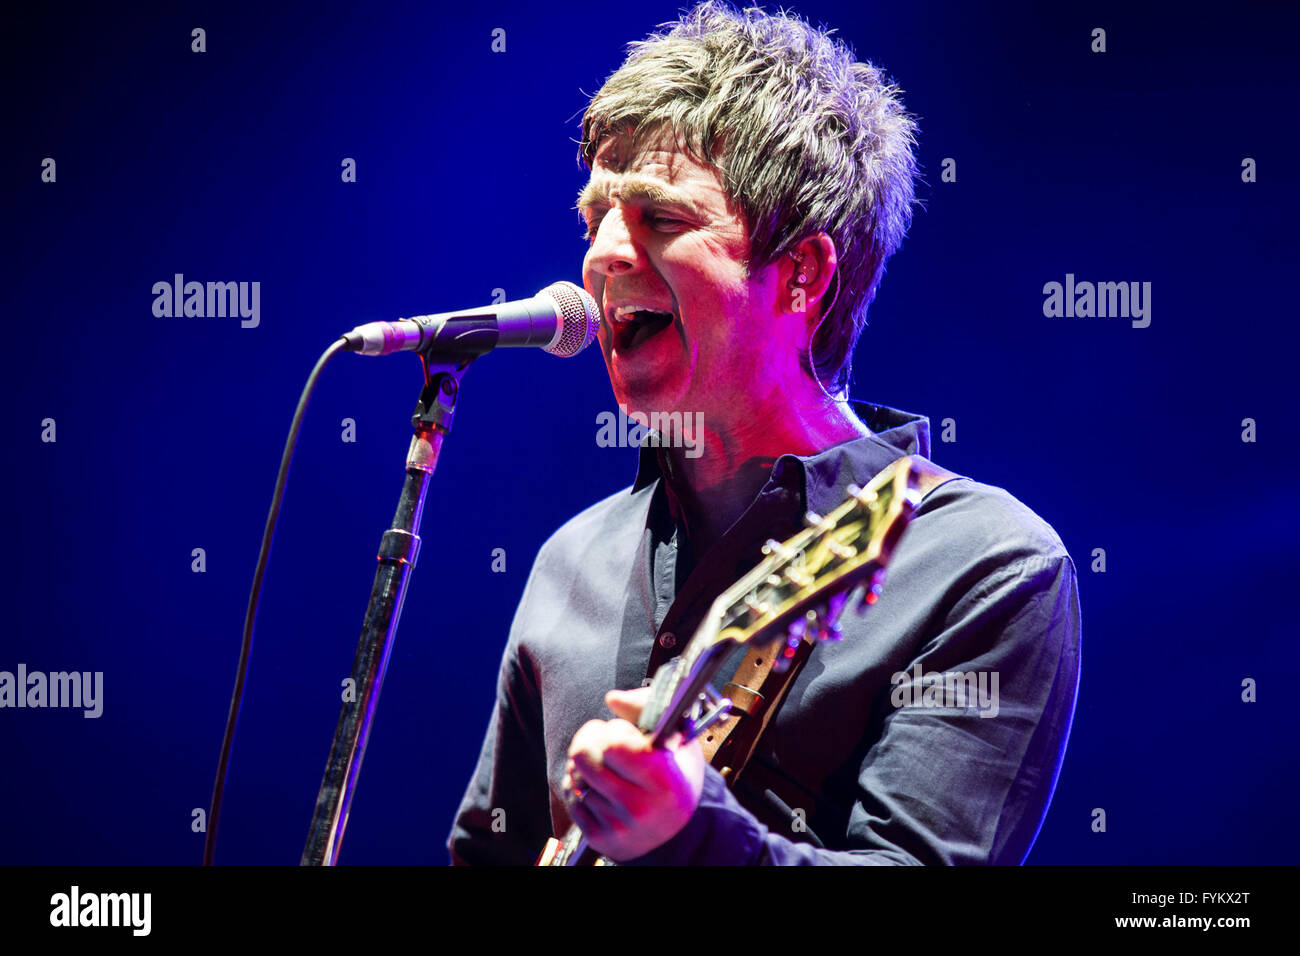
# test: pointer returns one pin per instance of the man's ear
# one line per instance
(806, 272)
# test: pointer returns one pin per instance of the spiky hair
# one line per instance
(807, 140)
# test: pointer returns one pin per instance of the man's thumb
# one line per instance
(627, 704)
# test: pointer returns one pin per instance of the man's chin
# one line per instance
(642, 403)
(643, 392)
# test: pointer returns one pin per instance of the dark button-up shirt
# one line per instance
(867, 761)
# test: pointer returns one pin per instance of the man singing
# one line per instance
(749, 180)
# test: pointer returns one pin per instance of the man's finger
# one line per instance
(628, 704)
(646, 771)
(601, 779)
(595, 814)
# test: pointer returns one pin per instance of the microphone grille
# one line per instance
(579, 318)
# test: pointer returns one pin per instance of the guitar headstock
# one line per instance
(806, 581)
(800, 587)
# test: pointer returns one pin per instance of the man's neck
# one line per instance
(733, 459)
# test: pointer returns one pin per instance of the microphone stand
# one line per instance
(398, 550)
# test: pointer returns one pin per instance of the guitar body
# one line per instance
(556, 853)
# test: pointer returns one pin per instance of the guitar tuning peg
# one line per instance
(830, 632)
(871, 591)
(785, 656)
(772, 546)
(821, 622)
(835, 607)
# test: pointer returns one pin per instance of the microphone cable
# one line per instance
(254, 597)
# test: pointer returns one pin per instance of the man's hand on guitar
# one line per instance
(627, 796)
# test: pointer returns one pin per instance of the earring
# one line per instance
(802, 276)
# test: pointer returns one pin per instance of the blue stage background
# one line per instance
(226, 166)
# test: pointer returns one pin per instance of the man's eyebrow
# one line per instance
(643, 188)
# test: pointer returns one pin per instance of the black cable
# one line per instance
(254, 597)
(777, 805)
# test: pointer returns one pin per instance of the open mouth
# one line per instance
(641, 326)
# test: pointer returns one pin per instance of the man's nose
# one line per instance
(613, 252)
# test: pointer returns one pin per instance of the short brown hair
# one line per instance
(806, 138)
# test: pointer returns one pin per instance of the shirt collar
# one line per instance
(828, 473)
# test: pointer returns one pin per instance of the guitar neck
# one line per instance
(676, 689)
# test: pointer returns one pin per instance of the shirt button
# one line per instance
(668, 640)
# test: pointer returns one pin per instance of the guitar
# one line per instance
(798, 590)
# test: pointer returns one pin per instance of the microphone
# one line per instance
(561, 319)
